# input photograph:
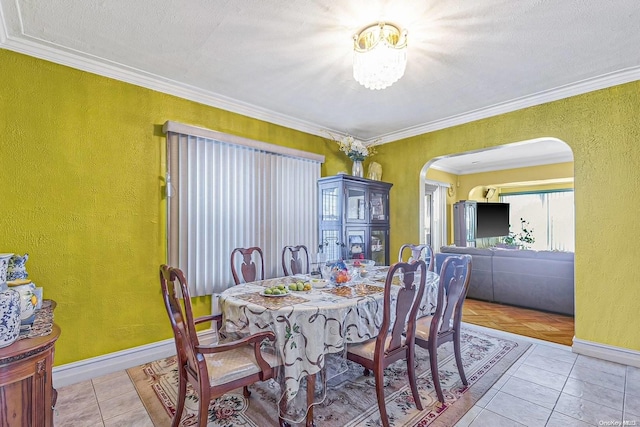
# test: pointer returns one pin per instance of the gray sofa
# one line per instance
(542, 280)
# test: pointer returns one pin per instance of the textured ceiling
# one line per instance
(289, 62)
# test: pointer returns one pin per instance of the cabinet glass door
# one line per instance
(378, 206)
(379, 246)
(331, 243)
(330, 204)
(356, 241)
(356, 207)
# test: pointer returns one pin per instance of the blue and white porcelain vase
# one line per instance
(17, 271)
(9, 317)
(17, 268)
(4, 266)
(9, 307)
(28, 301)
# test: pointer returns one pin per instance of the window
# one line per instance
(227, 192)
(433, 214)
(550, 215)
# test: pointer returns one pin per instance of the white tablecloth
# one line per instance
(310, 325)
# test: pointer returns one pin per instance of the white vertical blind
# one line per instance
(226, 195)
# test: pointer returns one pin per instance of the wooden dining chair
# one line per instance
(424, 252)
(243, 260)
(295, 260)
(212, 369)
(395, 342)
(444, 325)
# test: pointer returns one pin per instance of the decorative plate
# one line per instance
(272, 295)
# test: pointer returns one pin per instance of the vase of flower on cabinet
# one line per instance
(357, 169)
(9, 306)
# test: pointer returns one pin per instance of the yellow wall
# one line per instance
(80, 190)
(603, 131)
(81, 167)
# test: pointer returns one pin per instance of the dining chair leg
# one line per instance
(245, 392)
(378, 372)
(411, 371)
(433, 362)
(182, 394)
(203, 406)
(456, 350)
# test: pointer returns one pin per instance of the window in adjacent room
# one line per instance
(550, 214)
(433, 218)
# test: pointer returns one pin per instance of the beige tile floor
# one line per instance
(548, 386)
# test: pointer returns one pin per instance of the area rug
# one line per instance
(351, 398)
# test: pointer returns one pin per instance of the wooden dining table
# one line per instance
(313, 329)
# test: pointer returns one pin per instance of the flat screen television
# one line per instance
(492, 219)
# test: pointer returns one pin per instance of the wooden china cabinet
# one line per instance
(353, 218)
(27, 395)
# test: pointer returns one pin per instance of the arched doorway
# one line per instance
(520, 166)
(527, 167)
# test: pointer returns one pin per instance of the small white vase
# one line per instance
(357, 169)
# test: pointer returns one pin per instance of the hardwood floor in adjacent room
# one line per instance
(551, 327)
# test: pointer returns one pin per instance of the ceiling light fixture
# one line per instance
(379, 55)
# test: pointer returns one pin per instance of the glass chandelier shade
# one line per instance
(379, 55)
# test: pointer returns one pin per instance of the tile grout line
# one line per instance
(562, 392)
(95, 395)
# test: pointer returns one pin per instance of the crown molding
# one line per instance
(114, 70)
(102, 67)
(578, 88)
(4, 32)
(513, 164)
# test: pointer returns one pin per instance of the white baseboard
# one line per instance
(94, 367)
(606, 352)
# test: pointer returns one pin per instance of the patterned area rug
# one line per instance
(351, 398)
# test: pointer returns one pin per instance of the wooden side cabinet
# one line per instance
(27, 395)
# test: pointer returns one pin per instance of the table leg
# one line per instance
(281, 410)
(311, 389)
